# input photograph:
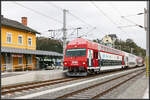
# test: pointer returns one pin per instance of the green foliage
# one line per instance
(94, 41)
(47, 44)
(126, 46)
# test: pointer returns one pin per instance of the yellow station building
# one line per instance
(18, 45)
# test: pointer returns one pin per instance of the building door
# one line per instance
(9, 62)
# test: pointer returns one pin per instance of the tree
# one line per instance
(48, 44)
(129, 40)
(127, 45)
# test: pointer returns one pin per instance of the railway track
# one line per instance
(27, 86)
(88, 92)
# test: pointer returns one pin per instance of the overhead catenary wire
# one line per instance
(132, 22)
(54, 5)
(88, 32)
(39, 13)
(59, 8)
(78, 18)
(127, 26)
(121, 15)
(101, 11)
(115, 9)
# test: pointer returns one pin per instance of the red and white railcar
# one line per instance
(82, 57)
(140, 61)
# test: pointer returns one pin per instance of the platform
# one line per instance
(11, 78)
(138, 90)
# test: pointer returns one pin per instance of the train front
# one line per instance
(75, 60)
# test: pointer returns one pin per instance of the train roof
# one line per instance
(78, 41)
(94, 45)
(91, 44)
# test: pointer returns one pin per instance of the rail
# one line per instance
(83, 91)
(26, 86)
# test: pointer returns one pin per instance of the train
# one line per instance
(83, 57)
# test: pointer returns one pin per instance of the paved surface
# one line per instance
(136, 90)
(11, 78)
(10, 74)
(51, 92)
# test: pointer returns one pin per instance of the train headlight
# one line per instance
(83, 63)
(65, 63)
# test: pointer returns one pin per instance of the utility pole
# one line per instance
(64, 32)
(146, 26)
(53, 33)
(77, 31)
(131, 50)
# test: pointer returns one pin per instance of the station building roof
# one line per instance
(28, 51)
(16, 25)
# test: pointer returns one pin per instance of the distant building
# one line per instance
(109, 40)
(113, 37)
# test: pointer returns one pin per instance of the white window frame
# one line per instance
(18, 39)
(21, 59)
(8, 33)
(28, 41)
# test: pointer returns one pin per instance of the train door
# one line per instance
(123, 61)
(90, 58)
(95, 58)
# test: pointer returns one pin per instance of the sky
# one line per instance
(96, 18)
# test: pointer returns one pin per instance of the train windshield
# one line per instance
(75, 52)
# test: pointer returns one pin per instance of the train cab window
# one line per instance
(76, 52)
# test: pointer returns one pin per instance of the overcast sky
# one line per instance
(105, 16)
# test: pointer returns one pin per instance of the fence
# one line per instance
(26, 67)
(22, 67)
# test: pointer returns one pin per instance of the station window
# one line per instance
(9, 37)
(20, 39)
(20, 60)
(29, 41)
